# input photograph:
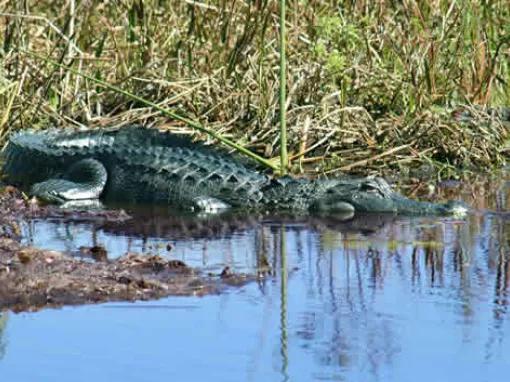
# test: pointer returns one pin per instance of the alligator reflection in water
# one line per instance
(360, 295)
(162, 231)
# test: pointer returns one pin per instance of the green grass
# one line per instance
(284, 160)
(370, 85)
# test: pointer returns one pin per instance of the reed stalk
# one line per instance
(284, 160)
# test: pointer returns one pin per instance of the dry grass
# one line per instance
(370, 85)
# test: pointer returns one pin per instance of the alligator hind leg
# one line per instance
(84, 180)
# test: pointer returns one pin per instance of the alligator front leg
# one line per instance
(209, 205)
(85, 180)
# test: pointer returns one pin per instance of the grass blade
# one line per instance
(283, 83)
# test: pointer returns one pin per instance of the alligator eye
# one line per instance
(367, 187)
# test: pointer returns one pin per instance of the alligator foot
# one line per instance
(85, 180)
(208, 205)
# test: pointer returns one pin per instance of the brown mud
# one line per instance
(32, 278)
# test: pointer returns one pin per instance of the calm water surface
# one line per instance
(374, 299)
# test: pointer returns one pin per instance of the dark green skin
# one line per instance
(137, 164)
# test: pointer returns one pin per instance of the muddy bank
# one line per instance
(32, 278)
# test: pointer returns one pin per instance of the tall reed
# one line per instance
(284, 160)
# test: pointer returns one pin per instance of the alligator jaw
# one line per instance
(370, 202)
(405, 206)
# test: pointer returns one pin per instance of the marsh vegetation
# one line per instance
(371, 86)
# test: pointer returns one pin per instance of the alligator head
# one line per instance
(375, 195)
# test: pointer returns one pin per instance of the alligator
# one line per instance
(145, 165)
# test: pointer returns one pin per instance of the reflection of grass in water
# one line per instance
(3, 325)
(331, 240)
(283, 304)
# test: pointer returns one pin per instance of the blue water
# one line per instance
(386, 300)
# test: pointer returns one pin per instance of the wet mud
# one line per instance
(32, 278)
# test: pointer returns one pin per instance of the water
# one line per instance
(376, 299)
